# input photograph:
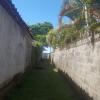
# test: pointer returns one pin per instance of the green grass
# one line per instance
(42, 84)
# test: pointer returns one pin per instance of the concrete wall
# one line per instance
(15, 47)
(82, 64)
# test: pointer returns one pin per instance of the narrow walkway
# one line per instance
(42, 84)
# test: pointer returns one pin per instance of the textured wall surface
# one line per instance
(15, 47)
(82, 65)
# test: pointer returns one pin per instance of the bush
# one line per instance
(95, 27)
(57, 38)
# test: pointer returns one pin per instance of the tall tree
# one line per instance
(41, 28)
(40, 31)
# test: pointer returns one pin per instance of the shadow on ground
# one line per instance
(42, 83)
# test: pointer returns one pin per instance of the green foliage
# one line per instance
(37, 44)
(51, 38)
(40, 39)
(90, 1)
(95, 27)
(79, 24)
(57, 38)
(85, 16)
(69, 34)
(40, 31)
(41, 28)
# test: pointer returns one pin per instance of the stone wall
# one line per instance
(82, 64)
(15, 47)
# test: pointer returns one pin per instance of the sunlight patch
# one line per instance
(55, 70)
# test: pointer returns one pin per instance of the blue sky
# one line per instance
(35, 11)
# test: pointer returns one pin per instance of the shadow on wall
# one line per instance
(78, 90)
(36, 56)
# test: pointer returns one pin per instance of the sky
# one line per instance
(39, 11)
(48, 49)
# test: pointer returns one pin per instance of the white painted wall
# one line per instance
(15, 47)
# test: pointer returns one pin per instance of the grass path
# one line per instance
(42, 84)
